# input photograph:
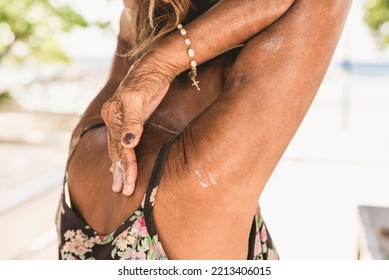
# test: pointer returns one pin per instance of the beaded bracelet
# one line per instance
(193, 71)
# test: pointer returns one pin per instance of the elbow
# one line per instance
(339, 9)
(282, 6)
(273, 10)
(279, 8)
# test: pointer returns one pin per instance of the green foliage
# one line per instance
(377, 18)
(29, 28)
(5, 98)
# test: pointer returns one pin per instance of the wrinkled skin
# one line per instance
(147, 81)
(231, 134)
(124, 113)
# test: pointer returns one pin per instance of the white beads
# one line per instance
(191, 53)
(193, 72)
(193, 63)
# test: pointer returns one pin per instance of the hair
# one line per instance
(153, 20)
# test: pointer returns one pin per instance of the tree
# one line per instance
(28, 29)
(377, 18)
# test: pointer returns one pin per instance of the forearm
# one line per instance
(226, 25)
(119, 69)
(268, 92)
(120, 63)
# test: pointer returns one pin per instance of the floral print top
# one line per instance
(136, 238)
(130, 241)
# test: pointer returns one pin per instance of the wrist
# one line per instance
(176, 54)
(172, 53)
(160, 64)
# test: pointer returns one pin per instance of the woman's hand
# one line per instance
(149, 79)
(125, 112)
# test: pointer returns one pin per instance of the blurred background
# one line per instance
(327, 199)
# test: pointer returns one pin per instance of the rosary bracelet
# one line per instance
(193, 71)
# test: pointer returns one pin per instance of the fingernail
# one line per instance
(129, 138)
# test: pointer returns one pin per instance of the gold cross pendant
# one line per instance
(195, 83)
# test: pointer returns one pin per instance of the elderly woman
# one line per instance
(203, 99)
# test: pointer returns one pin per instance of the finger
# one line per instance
(132, 128)
(114, 153)
(129, 156)
(112, 116)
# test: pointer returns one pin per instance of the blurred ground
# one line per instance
(338, 160)
(33, 153)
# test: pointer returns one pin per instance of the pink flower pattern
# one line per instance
(134, 242)
(139, 226)
(264, 248)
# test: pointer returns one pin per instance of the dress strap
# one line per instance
(253, 231)
(78, 133)
(74, 140)
(153, 184)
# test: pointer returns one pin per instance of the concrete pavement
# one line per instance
(33, 148)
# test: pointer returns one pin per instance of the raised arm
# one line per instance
(227, 24)
(219, 165)
(119, 69)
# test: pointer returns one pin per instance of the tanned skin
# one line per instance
(231, 134)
